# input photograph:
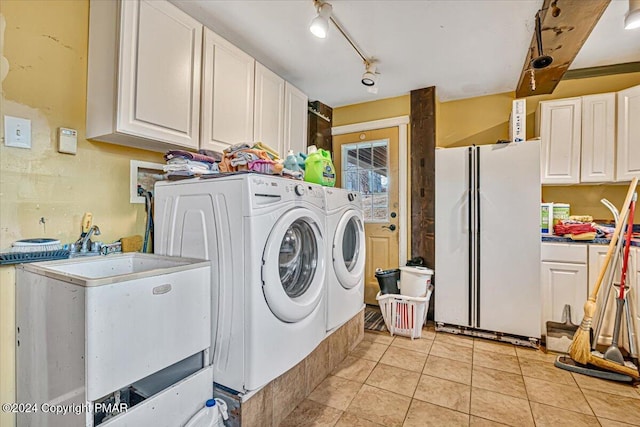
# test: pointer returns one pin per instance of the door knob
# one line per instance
(391, 227)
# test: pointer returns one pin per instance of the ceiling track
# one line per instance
(565, 26)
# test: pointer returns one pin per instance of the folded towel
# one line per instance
(188, 155)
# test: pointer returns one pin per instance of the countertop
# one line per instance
(596, 241)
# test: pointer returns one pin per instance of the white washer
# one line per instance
(345, 255)
(265, 238)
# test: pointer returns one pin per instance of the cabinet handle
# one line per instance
(162, 289)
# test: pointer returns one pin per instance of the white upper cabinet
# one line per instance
(559, 126)
(628, 162)
(295, 120)
(144, 77)
(268, 125)
(598, 138)
(227, 94)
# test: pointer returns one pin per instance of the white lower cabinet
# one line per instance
(564, 281)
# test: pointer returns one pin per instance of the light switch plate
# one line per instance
(17, 132)
(67, 141)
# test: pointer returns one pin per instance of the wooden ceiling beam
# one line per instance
(562, 38)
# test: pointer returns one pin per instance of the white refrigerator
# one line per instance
(487, 227)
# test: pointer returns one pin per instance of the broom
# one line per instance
(580, 349)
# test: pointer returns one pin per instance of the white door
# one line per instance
(563, 283)
(559, 127)
(453, 251)
(160, 62)
(295, 120)
(268, 126)
(227, 94)
(293, 265)
(598, 138)
(628, 164)
(349, 249)
(508, 205)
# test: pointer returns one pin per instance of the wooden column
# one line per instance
(422, 155)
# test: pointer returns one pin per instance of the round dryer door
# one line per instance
(293, 269)
(348, 250)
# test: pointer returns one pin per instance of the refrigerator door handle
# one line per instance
(470, 238)
(478, 231)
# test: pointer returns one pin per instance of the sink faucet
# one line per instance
(84, 241)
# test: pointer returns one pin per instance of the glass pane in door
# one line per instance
(366, 170)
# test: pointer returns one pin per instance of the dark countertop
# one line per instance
(596, 241)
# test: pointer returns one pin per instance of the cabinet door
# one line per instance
(227, 95)
(295, 119)
(628, 162)
(160, 63)
(563, 283)
(268, 126)
(598, 138)
(559, 127)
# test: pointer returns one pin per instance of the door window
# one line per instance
(365, 169)
(351, 244)
(298, 258)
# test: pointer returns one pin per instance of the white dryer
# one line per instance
(265, 238)
(345, 255)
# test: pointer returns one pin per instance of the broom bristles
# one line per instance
(580, 349)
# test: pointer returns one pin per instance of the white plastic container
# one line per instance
(414, 281)
(404, 315)
(212, 415)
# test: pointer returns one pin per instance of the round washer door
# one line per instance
(293, 269)
(348, 249)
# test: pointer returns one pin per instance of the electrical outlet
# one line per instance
(17, 132)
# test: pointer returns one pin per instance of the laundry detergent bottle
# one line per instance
(319, 168)
(212, 415)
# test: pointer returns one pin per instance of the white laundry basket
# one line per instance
(404, 315)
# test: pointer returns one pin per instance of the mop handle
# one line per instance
(614, 240)
(627, 244)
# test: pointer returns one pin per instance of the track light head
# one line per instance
(320, 24)
(369, 77)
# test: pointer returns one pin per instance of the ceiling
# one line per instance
(466, 48)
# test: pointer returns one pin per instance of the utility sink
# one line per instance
(103, 270)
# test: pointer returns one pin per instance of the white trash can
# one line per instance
(414, 281)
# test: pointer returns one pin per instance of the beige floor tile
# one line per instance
(459, 340)
(500, 381)
(557, 395)
(428, 333)
(481, 422)
(380, 406)
(448, 369)
(500, 408)
(530, 353)
(494, 347)
(545, 415)
(380, 338)
(500, 362)
(613, 387)
(610, 423)
(545, 370)
(369, 350)
(445, 393)
(451, 351)
(405, 359)
(614, 407)
(423, 414)
(394, 379)
(420, 345)
(335, 392)
(350, 420)
(309, 413)
(354, 368)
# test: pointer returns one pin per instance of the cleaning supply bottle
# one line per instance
(212, 415)
(319, 168)
(291, 162)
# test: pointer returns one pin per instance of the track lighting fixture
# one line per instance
(320, 25)
(632, 17)
(319, 28)
(369, 76)
(542, 60)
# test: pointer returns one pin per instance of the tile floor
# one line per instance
(449, 380)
